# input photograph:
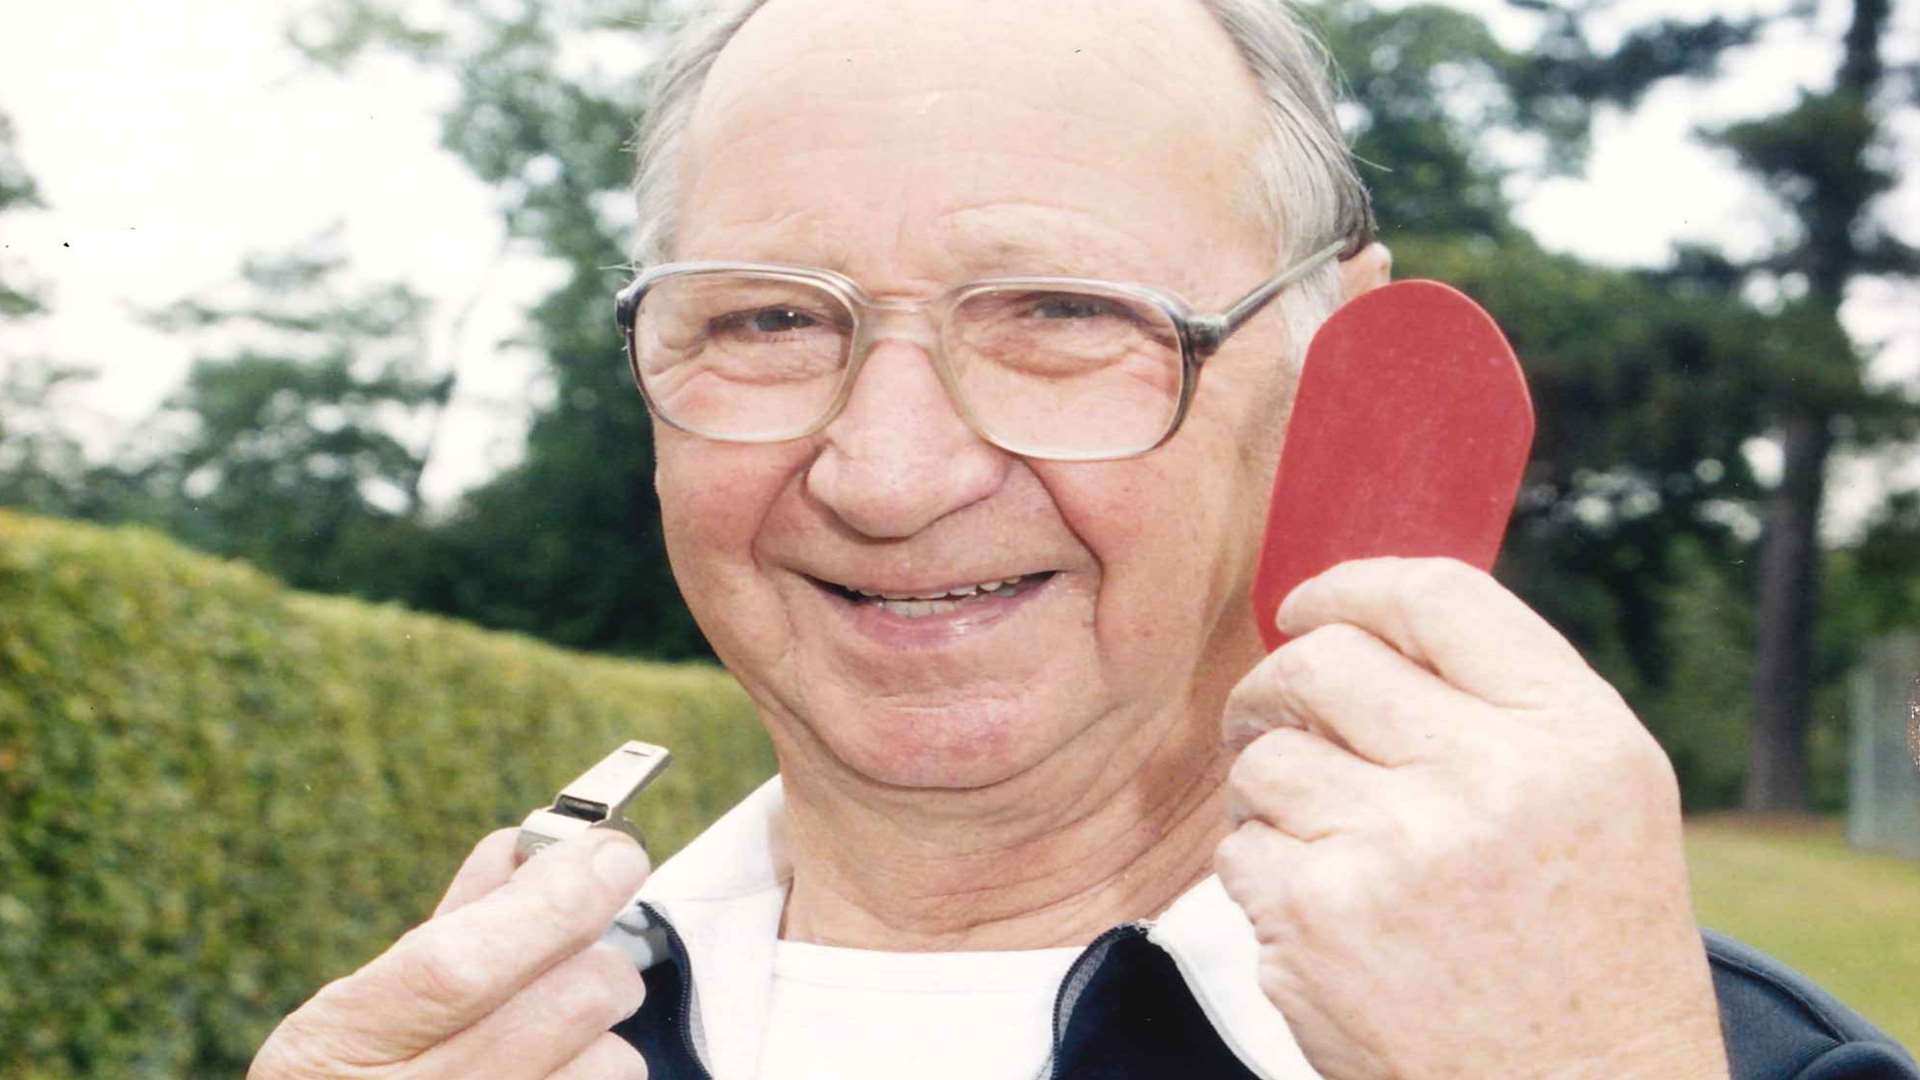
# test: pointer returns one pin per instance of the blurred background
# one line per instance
(321, 475)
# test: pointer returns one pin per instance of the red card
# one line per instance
(1409, 434)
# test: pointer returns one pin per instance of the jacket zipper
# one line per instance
(685, 1021)
(1071, 987)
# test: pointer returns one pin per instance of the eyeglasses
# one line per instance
(1061, 368)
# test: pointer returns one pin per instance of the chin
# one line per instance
(949, 746)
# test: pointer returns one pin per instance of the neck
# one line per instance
(1040, 860)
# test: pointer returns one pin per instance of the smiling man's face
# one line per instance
(912, 147)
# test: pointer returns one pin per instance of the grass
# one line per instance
(1792, 887)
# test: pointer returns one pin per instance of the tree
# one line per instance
(299, 440)
(1822, 159)
(17, 192)
(42, 466)
(567, 544)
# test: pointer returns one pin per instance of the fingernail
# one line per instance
(620, 864)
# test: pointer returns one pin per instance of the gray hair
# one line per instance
(1309, 191)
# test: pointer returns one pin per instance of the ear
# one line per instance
(1371, 267)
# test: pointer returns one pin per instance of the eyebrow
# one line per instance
(969, 247)
(1000, 248)
(1003, 256)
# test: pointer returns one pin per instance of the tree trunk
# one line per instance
(1789, 587)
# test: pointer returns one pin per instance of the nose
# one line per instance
(899, 457)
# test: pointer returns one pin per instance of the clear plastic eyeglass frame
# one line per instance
(1200, 336)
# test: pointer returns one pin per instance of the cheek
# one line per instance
(1158, 528)
(1177, 532)
(714, 499)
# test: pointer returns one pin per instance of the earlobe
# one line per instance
(1369, 268)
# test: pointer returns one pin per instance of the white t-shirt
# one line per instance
(851, 1014)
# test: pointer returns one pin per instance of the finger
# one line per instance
(1343, 683)
(608, 1057)
(547, 1024)
(1446, 616)
(1303, 785)
(1255, 862)
(449, 972)
(487, 868)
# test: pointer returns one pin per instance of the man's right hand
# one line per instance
(506, 981)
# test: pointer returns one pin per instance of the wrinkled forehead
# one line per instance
(1121, 115)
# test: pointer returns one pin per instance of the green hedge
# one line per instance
(216, 794)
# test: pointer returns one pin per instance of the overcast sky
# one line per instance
(171, 138)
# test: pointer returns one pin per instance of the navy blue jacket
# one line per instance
(1125, 1013)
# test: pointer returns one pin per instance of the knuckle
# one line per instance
(1278, 985)
(595, 988)
(1239, 853)
(1250, 688)
(1336, 638)
(1441, 576)
(1642, 764)
(1273, 763)
(1242, 717)
(498, 839)
(1256, 691)
(616, 984)
(1229, 862)
(562, 888)
(1251, 769)
(1302, 664)
(1279, 748)
(634, 1068)
(1251, 875)
(627, 1063)
(438, 973)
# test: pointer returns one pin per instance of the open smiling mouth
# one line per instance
(946, 602)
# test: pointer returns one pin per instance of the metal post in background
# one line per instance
(1883, 783)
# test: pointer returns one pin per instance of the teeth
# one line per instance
(910, 604)
(916, 609)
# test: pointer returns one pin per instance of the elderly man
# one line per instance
(950, 491)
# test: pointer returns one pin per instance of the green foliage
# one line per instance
(216, 794)
(41, 463)
(567, 544)
(1429, 85)
(1434, 94)
(17, 191)
(300, 443)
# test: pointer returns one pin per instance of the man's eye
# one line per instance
(776, 320)
(1071, 307)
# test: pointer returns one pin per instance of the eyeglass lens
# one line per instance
(1072, 373)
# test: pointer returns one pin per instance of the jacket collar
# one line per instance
(724, 893)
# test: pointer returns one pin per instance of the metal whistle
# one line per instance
(597, 799)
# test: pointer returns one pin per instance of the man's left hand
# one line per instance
(1460, 850)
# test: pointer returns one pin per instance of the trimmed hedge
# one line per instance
(216, 794)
